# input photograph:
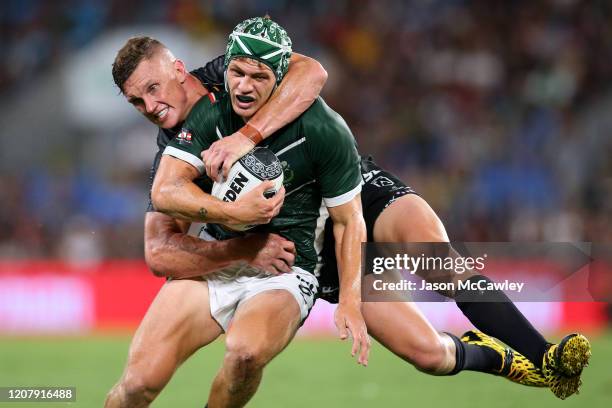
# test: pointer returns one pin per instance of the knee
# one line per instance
(244, 360)
(433, 357)
(135, 389)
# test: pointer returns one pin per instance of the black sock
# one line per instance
(493, 313)
(474, 358)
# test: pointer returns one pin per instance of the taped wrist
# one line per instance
(251, 133)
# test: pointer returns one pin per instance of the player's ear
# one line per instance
(181, 72)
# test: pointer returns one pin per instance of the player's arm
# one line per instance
(170, 252)
(349, 233)
(174, 193)
(331, 147)
(297, 91)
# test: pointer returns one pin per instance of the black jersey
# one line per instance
(379, 190)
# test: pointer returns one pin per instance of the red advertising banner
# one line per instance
(49, 297)
(62, 298)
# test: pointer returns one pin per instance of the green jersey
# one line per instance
(319, 159)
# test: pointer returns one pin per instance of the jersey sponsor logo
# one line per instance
(184, 137)
(382, 181)
(235, 187)
(329, 293)
(328, 289)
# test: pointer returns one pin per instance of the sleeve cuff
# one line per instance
(343, 198)
(185, 156)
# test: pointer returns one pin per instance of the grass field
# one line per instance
(309, 373)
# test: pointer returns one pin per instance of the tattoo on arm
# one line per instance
(203, 213)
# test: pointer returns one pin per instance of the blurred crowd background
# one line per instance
(497, 112)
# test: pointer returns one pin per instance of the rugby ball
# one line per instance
(247, 173)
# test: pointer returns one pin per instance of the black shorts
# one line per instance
(379, 189)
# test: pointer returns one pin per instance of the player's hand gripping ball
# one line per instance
(247, 173)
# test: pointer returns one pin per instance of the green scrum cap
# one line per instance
(263, 40)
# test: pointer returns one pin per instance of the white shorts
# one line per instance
(226, 295)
